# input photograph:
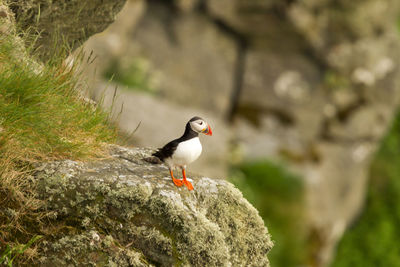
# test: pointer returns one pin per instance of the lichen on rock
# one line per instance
(123, 211)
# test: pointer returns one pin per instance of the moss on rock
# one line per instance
(125, 211)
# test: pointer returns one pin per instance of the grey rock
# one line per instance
(324, 24)
(123, 211)
(187, 5)
(194, 60)
(114, 41)
(69, 23)
(337, 186)
(246, 17)
(368, 123)
(284, 84)
(343, 98)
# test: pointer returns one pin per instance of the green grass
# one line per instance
(134, 75)
(11, 253)
(278, 196)
(398, 24)
(374, 238)
(42, 117)
(42, 110)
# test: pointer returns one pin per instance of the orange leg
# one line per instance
(177, 182)
(186, 182)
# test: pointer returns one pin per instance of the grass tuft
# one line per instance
(10, 254)
(43, 117)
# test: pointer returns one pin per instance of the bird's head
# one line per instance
(200, 126)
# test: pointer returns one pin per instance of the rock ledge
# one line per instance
(123, 211)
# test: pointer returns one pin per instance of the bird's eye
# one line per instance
(201, 123)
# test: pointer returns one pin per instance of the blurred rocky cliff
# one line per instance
(311, 83)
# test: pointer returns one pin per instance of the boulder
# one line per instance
(67, 22)
(124, 211)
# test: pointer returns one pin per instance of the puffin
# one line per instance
(184, 150)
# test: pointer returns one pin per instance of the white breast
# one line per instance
(186, 152)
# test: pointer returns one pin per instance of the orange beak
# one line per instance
(207, 131)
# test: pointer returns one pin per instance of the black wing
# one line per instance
(167, 150)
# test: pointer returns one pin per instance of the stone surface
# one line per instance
(284, 84)
(327, 23)
(115, 40)
(69, 23)
(193, 60)
(247, 17)
(367, 123)
(123, 211)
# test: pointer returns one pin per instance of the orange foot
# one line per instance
(186, 182)
(177, 182)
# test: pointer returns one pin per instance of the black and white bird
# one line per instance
(180, 152)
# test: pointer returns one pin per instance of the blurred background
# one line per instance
(301, 97)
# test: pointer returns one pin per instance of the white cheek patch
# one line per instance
(196, 126)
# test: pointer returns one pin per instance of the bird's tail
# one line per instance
(153, 160)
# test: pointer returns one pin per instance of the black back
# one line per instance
(169, 149)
